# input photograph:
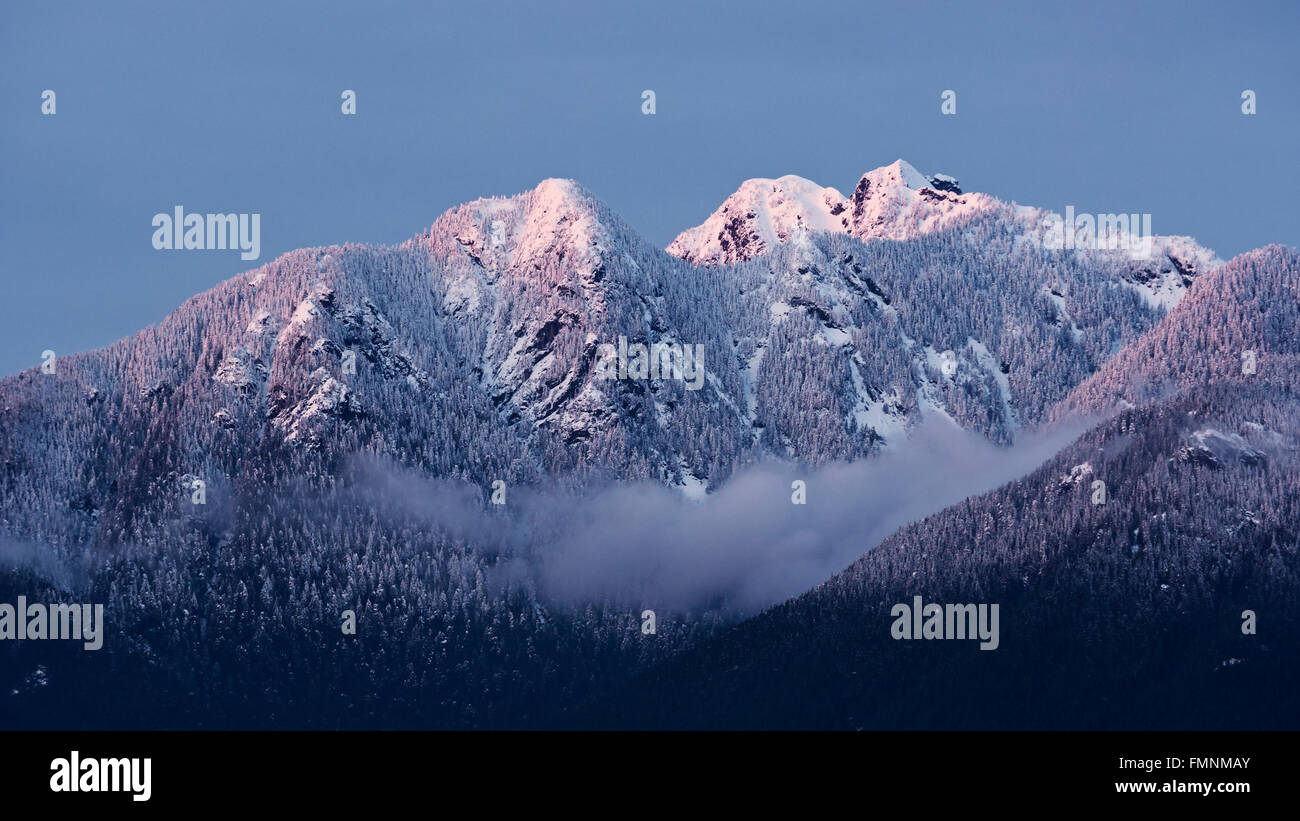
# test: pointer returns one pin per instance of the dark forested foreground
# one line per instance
(1127, 615)
(328, 491)
(1123, 615)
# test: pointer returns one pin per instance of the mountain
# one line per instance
(1237, 324)
(897, 202)
(761, 215)
(350, 411)
(893, 202)
(1128, 614)
(825, 348)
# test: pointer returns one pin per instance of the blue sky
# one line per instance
(234, 107)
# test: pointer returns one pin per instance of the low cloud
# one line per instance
(38, 560)
(745, 547)
(748, 546)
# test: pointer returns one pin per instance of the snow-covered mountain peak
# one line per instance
(898, 202)
(891, 202)
(558, 217)
(760, 215)
(899, 172)
(562, 204)
(553, 200)
(560, 211)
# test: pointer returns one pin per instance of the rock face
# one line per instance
(943, 182)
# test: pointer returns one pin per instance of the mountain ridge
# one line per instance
(347, 407)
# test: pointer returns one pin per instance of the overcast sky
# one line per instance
(1110, 107)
